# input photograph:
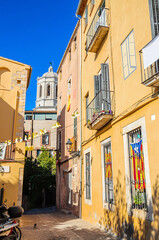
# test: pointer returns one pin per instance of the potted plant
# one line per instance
(138, 200)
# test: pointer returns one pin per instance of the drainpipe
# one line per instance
(32, 133)
(80, 207)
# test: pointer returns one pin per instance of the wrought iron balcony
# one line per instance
(149, 59)
(100, 110)
(98, 30)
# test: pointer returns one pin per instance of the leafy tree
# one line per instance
(47, 162)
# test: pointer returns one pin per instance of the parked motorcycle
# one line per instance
(9, 229)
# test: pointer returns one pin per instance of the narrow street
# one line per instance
(53, 225)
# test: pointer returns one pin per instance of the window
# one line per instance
(56, 91)
(86, 16)
(60, 104)
(59, 141)
(69, 187)
(138, 186)
(48, 90)
(137, 169)
(38, 152)
(92, 3)
(109, 196)
(60, 74)
(87, 109)
(154, 12)
(75, 43)
(18, 81)
(128, 55)
(28, 117)
(45, 139)
(107, 172)
(102, 89)
(40, 91)
(88, 175)
(75, 127)
(26, 134)
(51, 153)
(69, 95)
(70, 54)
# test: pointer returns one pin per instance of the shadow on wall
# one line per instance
(6, 121)
(117, 219)
(11, 187)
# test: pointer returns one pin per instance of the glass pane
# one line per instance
(109, 196)
(88, 183)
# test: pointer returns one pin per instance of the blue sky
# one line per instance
(36, 32)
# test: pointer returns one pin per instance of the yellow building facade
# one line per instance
(120, 116)
(14, 81)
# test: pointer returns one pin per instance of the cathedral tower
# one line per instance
(46, 99)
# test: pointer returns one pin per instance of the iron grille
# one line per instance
(137, 170)
(88, 179)
(109, 195)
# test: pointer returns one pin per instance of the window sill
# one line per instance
(140, 213)
(109, 206)
(88, 201)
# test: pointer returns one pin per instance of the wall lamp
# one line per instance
(69, 146)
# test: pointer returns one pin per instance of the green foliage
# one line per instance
(47, 162)
(138, 198)
(39, 177)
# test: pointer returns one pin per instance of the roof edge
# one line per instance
(68, 45)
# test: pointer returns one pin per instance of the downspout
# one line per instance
(80, 207)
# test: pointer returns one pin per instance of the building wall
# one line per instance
(131, 102)
(68, 172)
(37, 126)
(14, 80)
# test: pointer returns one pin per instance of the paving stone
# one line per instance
(54, 225)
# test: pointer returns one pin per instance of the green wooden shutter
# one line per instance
(105, 87)
(97, 94)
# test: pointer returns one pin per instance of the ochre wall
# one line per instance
(14, 80)
(129, 95)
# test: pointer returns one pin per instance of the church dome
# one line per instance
(50, 73)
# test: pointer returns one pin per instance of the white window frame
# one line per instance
(131, 68)
(87, 201)
(103, 144)
(137, 212)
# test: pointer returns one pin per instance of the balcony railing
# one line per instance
(100, 110)
(7, 152)
(149, 59)
(98, 30)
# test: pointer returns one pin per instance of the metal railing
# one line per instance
(149, 72)
(101, 18)
(138, 196)
(101, 104)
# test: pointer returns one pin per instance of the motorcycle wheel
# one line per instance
(17, 233)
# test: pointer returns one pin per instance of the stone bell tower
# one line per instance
(46, 98)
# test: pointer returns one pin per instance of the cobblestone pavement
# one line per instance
(54, 225)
